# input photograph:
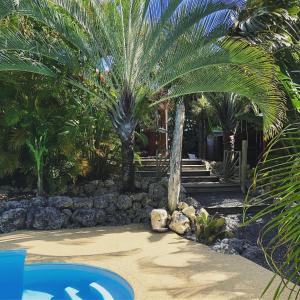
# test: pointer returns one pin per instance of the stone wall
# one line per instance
(92, 204)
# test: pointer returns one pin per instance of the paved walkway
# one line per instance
(158, 266)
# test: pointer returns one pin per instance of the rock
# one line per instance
(100, 191)
(48, 218)
(146, 214)
(162, 203)
(190, 201)
(109, 183)
(157, 191)
(82, 202)
(179, 223)
(85, 217)
(111, 209)
(124, 202)
(91, 187)
(147, 201)
(183, 193)
(68, 215)
(253, 253)
(138, 184)
(145, 182)
(190, 212)
(139, 197)
(136, 206)
(105, 200)
(229, 246)
(182, 205)
(12, 219)
(39, 202)
(12, 204)
(232, 223)
(60, 202)
(100, 217)
(159, 219)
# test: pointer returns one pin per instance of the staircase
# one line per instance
(199, 183)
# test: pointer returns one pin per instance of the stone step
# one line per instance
(211, 178)
(184, 167)
(151, 161)
(204, 187)
(191, 173)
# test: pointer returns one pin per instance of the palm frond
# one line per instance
(277, 183)
(150, 43)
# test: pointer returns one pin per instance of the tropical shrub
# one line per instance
(57, 135)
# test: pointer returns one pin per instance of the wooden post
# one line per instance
(244, 165)
(175, 159)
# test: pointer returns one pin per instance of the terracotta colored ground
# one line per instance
(158, 266)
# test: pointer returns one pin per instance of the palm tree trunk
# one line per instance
(175, 160)
(229, 140)
(128, 172)
(122, 117)
(202, 137)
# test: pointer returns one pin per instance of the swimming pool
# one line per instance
(57, 281)
(61, 281)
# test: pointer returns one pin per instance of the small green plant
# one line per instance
(209, 228)
(38, 150)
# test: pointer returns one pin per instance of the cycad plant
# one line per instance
(140, 48)
(277, 183)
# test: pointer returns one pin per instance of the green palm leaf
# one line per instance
(277, 180)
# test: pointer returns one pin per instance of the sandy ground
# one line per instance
(158, 266)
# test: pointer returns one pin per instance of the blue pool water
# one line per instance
(59, 281)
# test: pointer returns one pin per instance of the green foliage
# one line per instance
(209, 228)
(277, 183)
(141, 50)
(38, 150)
(275, 26)
(76, 133)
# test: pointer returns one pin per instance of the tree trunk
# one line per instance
(202, 137)
(40, 188)
(128, 173)
(229, 140)
(122, 117)
(175, 159)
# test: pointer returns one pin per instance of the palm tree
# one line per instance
(227, 107)
(140, 48)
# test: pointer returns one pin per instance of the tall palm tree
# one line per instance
(141, 47)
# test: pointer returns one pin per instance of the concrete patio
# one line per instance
(158, 266)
